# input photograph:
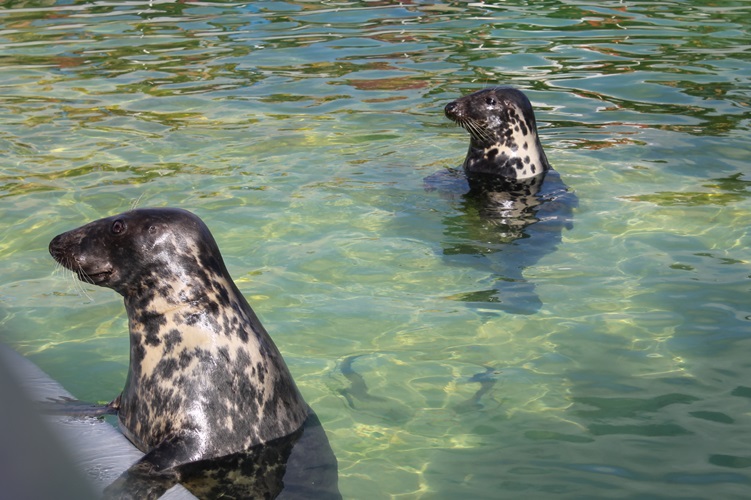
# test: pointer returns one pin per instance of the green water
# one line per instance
(301, 132)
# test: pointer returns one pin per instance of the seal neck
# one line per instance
(500, 161)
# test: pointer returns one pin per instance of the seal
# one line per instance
(513, 205)
(205, 380)
(503, 134)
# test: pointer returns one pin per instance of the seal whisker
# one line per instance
(77, 285)
(72, 277)
(67, 265)
(83, 275)
(135, 203)
(477, 131)
(81, 288)
(482, 130)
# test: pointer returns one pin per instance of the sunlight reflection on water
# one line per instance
(301, 132)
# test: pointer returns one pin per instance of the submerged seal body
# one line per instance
(205, 380)
(503, 135)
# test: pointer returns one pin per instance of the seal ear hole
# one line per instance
(152, 229)
(490, 101)
(118, 227)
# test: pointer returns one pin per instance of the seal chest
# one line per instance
(503, 134)
(205, 380)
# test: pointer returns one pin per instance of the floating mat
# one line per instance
(50, 456)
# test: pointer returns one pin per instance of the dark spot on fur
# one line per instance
(185, 359)
(223, 296)
(242, 360)
(151, 323)
(138, 352)
(242, 333)
(171, 339)
(212, 307)
(224, 353)
(166, 367)
(491, 154)
(261, 371)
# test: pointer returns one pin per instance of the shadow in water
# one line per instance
(357, 394)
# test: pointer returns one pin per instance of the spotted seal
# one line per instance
(503, 134)
(205, 379)
(513, 203)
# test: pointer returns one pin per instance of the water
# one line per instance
(301, 132)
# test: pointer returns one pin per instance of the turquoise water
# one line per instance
(301, 132)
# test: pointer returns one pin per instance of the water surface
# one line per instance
(301, 132)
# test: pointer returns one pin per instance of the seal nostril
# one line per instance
(450, 109)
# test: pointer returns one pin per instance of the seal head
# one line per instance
(205, 379)
(503, 135)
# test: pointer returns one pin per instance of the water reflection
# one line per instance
(281, 120)
(506, 231)
(300, 465)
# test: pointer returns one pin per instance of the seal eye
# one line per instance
(490, 101)
(118, 227)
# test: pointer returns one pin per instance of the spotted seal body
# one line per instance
(503, 134)
(205, 379)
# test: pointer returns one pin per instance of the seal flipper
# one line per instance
(155, 473)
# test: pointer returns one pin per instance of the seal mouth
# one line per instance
(95, 278)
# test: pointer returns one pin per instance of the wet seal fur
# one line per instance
(514, 204)
(206, 388)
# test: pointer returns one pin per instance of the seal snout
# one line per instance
(56, 249)
(64, 249)
(452, 111)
